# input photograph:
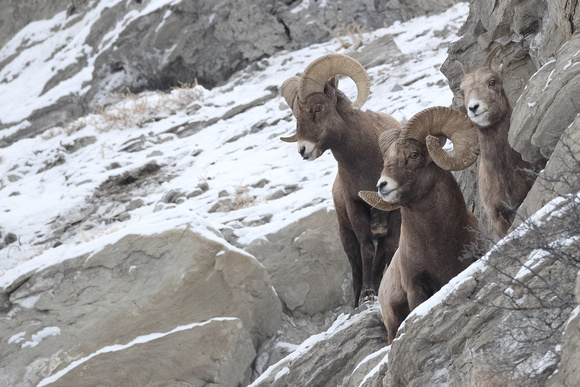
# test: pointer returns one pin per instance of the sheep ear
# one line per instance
(374, 200)
(331, 85)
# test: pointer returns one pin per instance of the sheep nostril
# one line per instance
(302, 150)
(381, 185)
(474, 107)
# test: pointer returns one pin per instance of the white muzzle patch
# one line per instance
(308, 150)
(477, 112)
(387, 189)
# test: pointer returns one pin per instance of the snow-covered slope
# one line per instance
(66, 192)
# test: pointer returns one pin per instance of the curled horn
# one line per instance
(456, 126)
(491, 55)
(322, 69)
(373, 199)
(289, 91)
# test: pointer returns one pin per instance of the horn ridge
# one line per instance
(456, 126)
(289, 90)
(322, 69)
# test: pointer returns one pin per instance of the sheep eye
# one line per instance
(318, 109)
(492, 82)
(414, 155)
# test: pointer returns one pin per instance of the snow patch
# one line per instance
(41, 335)
(281, 373)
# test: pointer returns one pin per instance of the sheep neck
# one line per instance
(439, 219)
(496, 153)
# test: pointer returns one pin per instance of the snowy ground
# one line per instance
(44, 188)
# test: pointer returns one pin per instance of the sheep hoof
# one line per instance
(367, 296)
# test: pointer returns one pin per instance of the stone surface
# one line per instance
(138, 286)
(560, 177)
(548, 105)
(307, 264)
(330, 358)
(219, 352)
(568, 371)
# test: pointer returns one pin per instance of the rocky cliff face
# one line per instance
(121, 273)
(147, 45)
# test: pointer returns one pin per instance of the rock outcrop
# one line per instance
(179, 290)
(332, 358)
(307, 264)
(568, 372)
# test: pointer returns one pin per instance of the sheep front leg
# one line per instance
(352, 249)
(393, 301)
(360, 220)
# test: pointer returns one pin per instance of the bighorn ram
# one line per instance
(326, 119)
(436, 225)
(504, 177)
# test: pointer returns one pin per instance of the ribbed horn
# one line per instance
(373, 199)
(456, 126)
(289, 89)
(292, 138)
(491, 55)
(322, 69)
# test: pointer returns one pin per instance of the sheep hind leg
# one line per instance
(502, 220)
(387, 245)
(368, 293)
(424, 286)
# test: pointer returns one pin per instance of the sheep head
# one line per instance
(315, 101)
(484, 97)
(409, 152)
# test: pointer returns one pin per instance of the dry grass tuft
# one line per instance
(242, 199)
(348, 35)
(134, 110)
(137, 110)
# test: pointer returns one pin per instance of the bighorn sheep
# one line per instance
(436, 225)
(504, 177)
(326, 119)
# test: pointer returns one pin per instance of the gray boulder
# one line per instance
(307, 264)
(560, 177)
(137, 289)
(548, 105)
(334, 357)
(219, 352)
